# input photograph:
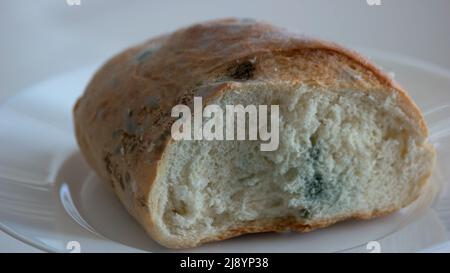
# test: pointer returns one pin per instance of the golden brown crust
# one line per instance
(122, 121)
(293, 224)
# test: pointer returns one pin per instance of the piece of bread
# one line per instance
(352, 142)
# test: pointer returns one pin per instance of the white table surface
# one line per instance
(40, 39)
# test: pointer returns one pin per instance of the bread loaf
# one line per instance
(352, 143)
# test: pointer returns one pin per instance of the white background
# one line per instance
(40, 39)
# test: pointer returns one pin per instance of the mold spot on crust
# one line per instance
(108, 163)
(242, 71)
(144, 55)
(113, 171)
(153, 102)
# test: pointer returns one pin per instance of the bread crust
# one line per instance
(122, 122)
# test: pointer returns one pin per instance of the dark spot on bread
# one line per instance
(117, 133)
(181, 208)
(129, 142)
(242, 71)
(113, 171)
(319, 186)
(141, 201)
(313, 139)
(118, 150)
(156, 116)
(122, 185)
(291, 174)
(248, 20)
(315, 183)
(315, 186)
(132, 126)
(187, 97)
(304, 213)
(144, 55)
(108, 163)
(153, 102)
(314, 154)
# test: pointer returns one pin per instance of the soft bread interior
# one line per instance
(341, 153)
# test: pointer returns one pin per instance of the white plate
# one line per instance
(51, 200)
